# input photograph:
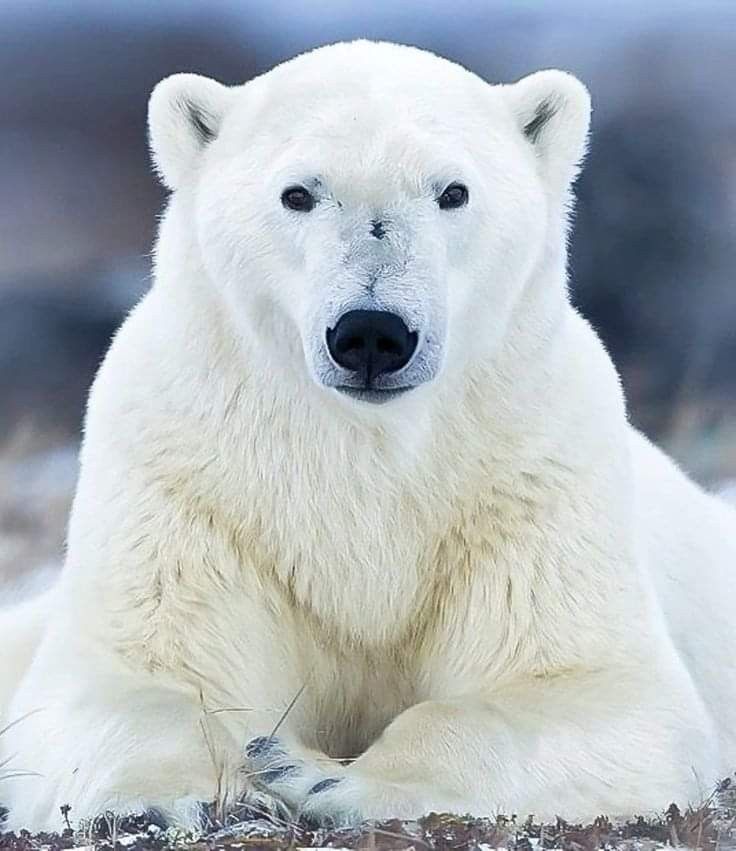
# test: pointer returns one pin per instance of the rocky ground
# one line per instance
(711, 827)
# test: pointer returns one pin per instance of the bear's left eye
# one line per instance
(298, 198)
(455, 195)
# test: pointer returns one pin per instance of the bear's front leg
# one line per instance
(575, 745)
(108, 746)
(126, 746)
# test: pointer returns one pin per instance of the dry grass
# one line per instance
(710, 827)
(253, 824)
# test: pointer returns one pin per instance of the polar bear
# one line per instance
(361, 524)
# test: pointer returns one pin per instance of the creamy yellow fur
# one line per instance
(491, 591)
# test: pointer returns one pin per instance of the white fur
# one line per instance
(493, 591)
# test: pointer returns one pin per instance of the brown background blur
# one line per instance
(652, 256)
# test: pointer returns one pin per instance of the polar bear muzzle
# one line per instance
(370, 343)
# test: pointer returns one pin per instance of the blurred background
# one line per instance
(653, 253)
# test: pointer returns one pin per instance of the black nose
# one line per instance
(371, 342)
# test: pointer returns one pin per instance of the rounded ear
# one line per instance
(184, 115)
(552, 109)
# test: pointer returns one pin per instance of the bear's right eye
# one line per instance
(298, 198)
(456, 195)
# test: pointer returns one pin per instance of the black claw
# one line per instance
(249, 810)
(104, 826)
(262, 745)
(109, 823)
(327, 783)
(273, 774)
(155, 817)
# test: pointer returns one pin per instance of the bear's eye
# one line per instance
(456, 195)
(297, 198)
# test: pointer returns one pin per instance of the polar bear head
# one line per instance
(371, 214)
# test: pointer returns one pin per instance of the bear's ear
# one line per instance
(184, 115)
(552, 109)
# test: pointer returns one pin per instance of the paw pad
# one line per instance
(328, 783)
(271, 775)
(262, 745)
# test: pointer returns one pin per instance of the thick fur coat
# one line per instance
(489, 593)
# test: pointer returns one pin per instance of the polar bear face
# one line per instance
(370, 213)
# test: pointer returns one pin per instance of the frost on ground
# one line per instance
(711, 827)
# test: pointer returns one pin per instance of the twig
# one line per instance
(289, 707)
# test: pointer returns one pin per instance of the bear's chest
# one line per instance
(353, 696)
(442, 609)
(355, 565)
